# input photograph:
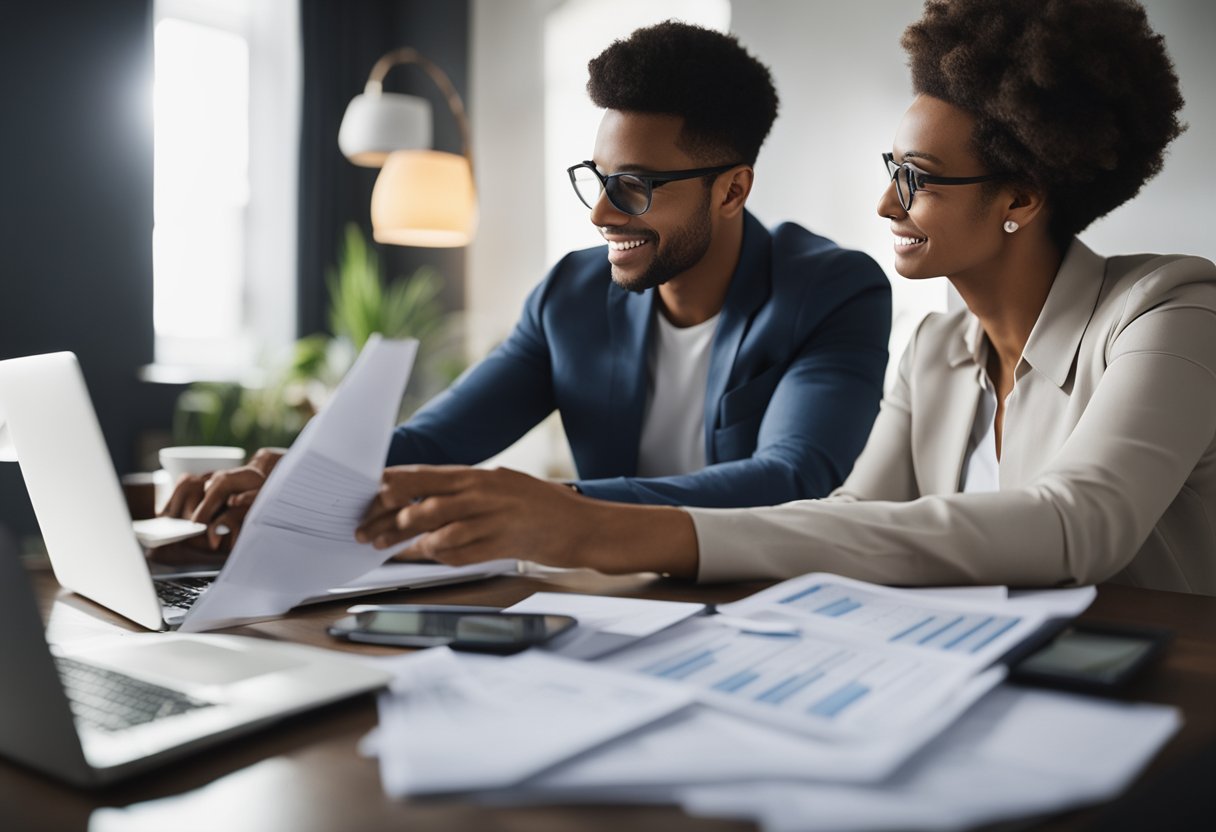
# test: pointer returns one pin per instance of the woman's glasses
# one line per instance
(908, 180)
(629, 192)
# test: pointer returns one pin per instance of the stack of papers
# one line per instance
(1017, 753)
(460, 722)
(841, 705)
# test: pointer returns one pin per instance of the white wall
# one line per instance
(508, 257)
(507, 116)
(844, 85)
(1174, 212)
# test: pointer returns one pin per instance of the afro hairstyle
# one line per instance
(725, 96)
(1076, 98)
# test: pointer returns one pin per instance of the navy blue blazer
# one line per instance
(795, 377)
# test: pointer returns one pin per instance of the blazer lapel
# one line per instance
(749, 286)
(941, 440)
(1053, 343)
(940, 443)
(629, 315)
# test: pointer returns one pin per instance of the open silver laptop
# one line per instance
(114, 706)
(77, 498)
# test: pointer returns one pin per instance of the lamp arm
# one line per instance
(406, 55)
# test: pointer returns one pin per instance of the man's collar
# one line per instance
(748, 283)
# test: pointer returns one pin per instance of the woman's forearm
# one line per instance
(619, 539)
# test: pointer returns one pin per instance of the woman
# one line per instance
(1059, 430)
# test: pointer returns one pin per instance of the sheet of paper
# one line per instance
(856, 659)
(298, 539)
(455, 722)
(1057, 602)
(960, 630)
(834, 687)
(406, 575)
(1018, 752)
(605, 623)
(960, 593)
(701, 745)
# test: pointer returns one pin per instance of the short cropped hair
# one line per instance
(1076, 98)
(725, 96)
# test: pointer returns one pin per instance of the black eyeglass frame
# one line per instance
(917, 179)
(651, 180)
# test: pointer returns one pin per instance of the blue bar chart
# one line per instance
(800, 680)
(834, 657)
(901, 622)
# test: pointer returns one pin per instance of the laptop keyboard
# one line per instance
(111, 701)
(181, 592)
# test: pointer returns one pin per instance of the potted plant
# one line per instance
(272, 414)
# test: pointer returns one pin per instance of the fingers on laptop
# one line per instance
(223, 530)
(222, 487)
(264, 459)
(187, 494)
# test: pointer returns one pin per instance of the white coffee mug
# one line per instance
(199, 459)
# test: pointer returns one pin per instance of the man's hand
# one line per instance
(468, 515)
(222, 499)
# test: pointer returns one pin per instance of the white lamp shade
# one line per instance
(424, 198)
(376, 124)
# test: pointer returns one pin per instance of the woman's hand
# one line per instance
(467, 515)
(460, 515)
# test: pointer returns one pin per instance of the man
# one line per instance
(697, 359)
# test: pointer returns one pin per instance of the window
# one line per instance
(226, 115)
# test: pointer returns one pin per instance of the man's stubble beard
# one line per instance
(685, 248)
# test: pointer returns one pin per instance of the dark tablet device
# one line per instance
(1090, 657)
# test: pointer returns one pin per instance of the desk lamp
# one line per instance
(422, 197)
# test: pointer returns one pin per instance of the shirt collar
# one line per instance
(1053, 342)
(1056, 335)
(968, 349)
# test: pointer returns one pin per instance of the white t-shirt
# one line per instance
(673, 427)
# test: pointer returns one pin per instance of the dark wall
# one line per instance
(76, 185)
(341, 42)
(76, 204)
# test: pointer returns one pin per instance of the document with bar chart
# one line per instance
(833, 657)
(969, 632)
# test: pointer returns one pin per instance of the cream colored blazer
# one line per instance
(1108, 464)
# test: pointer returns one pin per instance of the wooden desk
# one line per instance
(305, 774)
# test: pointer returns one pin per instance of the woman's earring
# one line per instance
(1010, 226)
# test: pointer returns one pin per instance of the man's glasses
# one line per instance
(908, 180)
(629, 192)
